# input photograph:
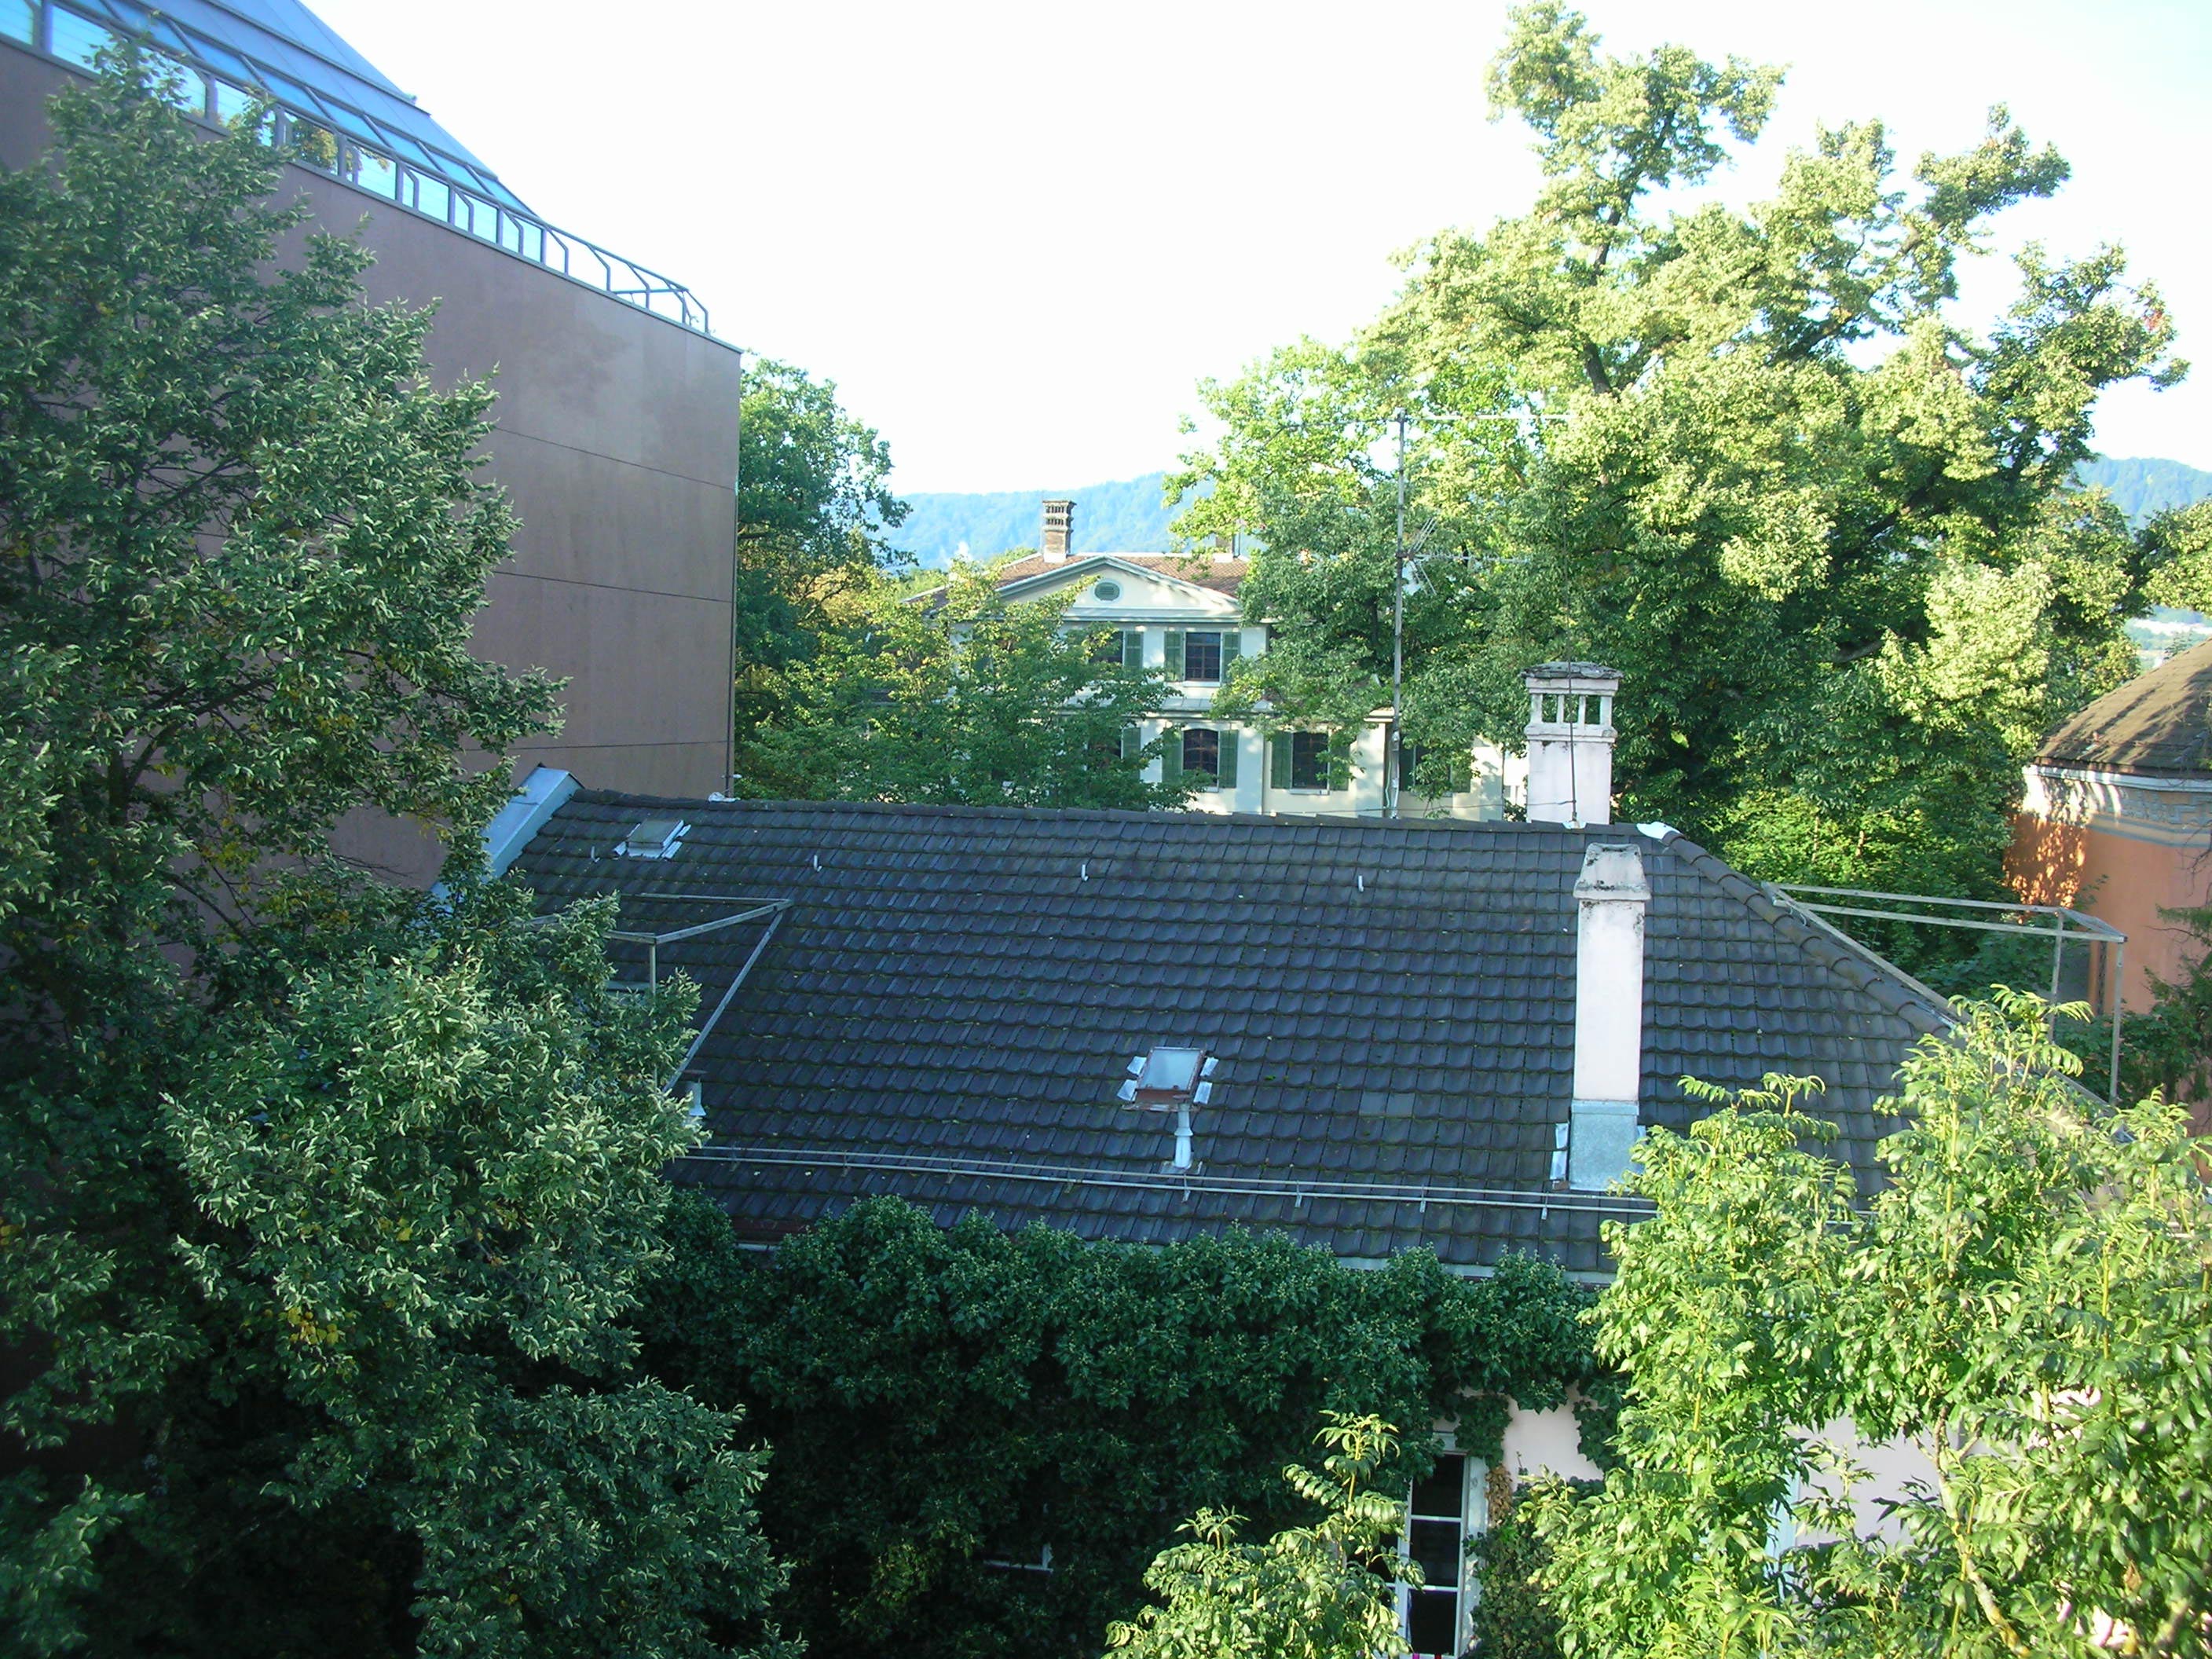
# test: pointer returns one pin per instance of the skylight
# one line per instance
(652, 838)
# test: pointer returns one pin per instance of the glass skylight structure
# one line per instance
(347, 120)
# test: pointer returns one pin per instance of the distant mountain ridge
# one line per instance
(2142, 489)
(1125, 517)
(1130, 517)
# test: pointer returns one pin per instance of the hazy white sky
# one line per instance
(1016, 236)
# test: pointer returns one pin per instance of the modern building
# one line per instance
(2116, 816)
(1373, 1035)
(616, 436)
(1180, 617)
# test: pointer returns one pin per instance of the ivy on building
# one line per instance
(983, 1438)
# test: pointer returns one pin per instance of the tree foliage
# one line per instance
(946, 1405)
(1749, 456)
(2023, 1301)
(959, 697)
(814, 507)
(1328, 1590)
(324, 1203)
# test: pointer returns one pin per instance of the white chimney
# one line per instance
(1570, 743)
(1059, 530)
(1611, 895)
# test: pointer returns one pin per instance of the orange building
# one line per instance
(2116, 819)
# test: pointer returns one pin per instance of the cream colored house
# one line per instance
(1180, 617)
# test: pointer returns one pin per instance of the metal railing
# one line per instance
(2055, 922)
(319, 141)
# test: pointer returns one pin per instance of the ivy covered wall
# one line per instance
(936, 1401)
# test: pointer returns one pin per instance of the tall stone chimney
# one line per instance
(1611, 896)
(1059, 530)
(1571, 742)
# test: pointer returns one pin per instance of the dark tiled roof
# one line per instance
(950, 1002)
(2157, 723)
(1222, 573)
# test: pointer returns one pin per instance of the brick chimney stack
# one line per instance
(1059, 530)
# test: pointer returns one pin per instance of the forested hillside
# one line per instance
(1129, 517)
(2141, 488)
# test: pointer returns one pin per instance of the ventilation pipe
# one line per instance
(1611, 896)
(1570, 743)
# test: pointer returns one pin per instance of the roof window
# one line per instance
(1171, 1079)
(652, 838)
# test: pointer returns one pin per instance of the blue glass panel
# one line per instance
(510, 233)
(378, 172)
(19, 21)
(294, 95)
(231, 102)
(478, 217)
(431, 196)
(351, 121)
(219, 57)
(75, 39)
(411, 151)
(533, 241)
(185, 88)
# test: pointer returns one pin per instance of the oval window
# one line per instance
(1107, 590)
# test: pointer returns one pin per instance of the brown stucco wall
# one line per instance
(2122, 880)
(617, 442)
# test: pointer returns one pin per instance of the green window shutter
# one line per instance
(1279, 761)
(1132, 741)
(1171, 756)
(1232, 647)
(1174, 654)
(1133, 648)
(1229, 745)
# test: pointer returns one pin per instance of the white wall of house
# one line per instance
(1116, 594)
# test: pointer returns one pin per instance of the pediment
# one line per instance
(1145, 594)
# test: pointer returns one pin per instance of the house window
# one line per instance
(1108, 592)
(1436, 1538)
(1450, 771)
(1207, 755)
(1120, 647)
(1299, 760)
(1200, 655)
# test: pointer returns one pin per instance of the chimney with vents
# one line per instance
(1059, 530)
(1611, 896)
(1570, 743)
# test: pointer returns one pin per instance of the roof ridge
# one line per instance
(1453, 826)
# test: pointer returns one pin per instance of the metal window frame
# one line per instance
(619, 278)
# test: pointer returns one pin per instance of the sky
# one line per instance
(1017, 235)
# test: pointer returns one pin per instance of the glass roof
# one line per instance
(283, 47)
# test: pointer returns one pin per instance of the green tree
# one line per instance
(1750, 457)
(814, 504)
(1323, 1591)
(959, 697)
(2024, 1299)
(2178, 548)
(324, 1203)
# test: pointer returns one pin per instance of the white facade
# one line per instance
(1164, 611)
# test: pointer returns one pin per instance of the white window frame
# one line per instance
(1474, 1521)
